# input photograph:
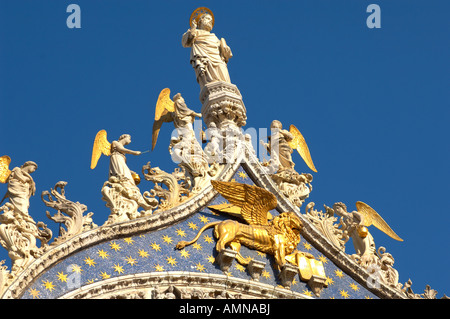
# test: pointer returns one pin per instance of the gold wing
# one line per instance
(164, 106)
(101, 146)
(299, 143)
(4, 168)
(232, 210)
(254, 202)
(371, 217)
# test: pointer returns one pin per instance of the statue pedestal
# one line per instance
(255, 268)
(225, 258)
(222, 104)
(287, 275)
(317, 283)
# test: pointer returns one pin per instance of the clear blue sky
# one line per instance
(373, 104)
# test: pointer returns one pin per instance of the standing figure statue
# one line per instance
(281, 167)
(184, 147)
(21, 187)
(209, 55)
(120, 192)
(18, 231)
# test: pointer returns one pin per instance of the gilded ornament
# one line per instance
(278, 236)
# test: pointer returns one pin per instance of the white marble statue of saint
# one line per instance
(209, 55)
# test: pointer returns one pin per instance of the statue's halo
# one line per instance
(197, 13)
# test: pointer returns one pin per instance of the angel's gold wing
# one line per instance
(4, 168)
(164, 106)
(371, 217)
(299, 143)
(101, 146)
(254, 202)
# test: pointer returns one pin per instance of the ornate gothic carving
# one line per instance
(178, 186)
(69, 213)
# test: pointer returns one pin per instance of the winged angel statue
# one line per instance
(121, 188)
(355, 225)
(280, 147)
(184, 148)
(277, 236)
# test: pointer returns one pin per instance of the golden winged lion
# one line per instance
(278, 236)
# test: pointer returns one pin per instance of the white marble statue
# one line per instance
(209, 55)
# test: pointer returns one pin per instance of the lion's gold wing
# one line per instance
(254, 202)
(371, 217)
(164, 106)
(101, 146)
(299, 143)
(232, 210)
(4, 168)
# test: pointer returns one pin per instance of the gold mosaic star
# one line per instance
(323, 259)
(181, 232)
(367, 297)
(200, 267)
(156, 246)
(77, 269)
(129, 240)
(294, 281)
(344, 293)
(90, 281)
(242, 175)
(240, 267)
(62, 277)
(307, 293)
(339, 273)
(35, 293)
(197, 246)
(103, 254)
(89, 261)
(48, 285)
(104, 275)
(307, 246)
(118, 268)
(204, 219)
(167, 239)
(354, 287)
(131, 261)
(171, 261)
(329, 281)
(143, 253)
(265, 274)
(158, 267)
(208, 239)
(184, 253)
(211, 259)
(115, 246)
(193, 226)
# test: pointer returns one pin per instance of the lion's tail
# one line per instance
(182, 244)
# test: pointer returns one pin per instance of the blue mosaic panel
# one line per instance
(155, 252)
